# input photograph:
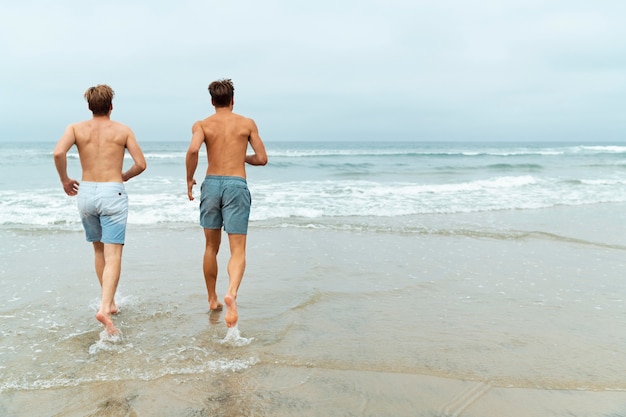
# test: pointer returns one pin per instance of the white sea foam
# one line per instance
(607, 149)
(233, 338)
(121, 301)
(144, 373)
(109, 343)
(325, 180)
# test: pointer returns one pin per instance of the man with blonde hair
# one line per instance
(225, 198)
(101, 196)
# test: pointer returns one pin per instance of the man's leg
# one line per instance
(110, 278)
(213, 239)
(236, 268)
(98, 248)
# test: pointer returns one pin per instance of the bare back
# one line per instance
(101, 145)
(226, 137)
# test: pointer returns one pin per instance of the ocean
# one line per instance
(387, 278)
(314, 184)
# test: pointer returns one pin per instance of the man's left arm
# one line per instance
(191, 159)
(70, 186)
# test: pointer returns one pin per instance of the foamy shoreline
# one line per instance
(368, 322)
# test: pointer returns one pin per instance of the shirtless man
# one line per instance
(102, 199)
(225, 198)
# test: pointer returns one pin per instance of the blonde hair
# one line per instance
(222, 92)
(100, 99)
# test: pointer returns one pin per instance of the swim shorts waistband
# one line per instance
(225, 178)
(102, 185)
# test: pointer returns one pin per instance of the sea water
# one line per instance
(314, 183)
(368, 263)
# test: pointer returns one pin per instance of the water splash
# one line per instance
(234, 338)
(107, 342)
(121, 301)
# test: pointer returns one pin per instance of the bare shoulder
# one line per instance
(80, 130)
(120, 126)
(80, 125)
(245, 121)
(199, 124)
(200, 128)
(242, 117)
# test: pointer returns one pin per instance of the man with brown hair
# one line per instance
(102, 199)
(225, 198)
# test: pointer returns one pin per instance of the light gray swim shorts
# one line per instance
(103, 209)
(225, 201)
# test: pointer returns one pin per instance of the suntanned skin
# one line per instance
(101, 145)
(226, 136)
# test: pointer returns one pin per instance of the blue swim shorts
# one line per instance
(103, 209)
(225, 201)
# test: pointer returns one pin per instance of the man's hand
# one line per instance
(190, 184)
(71, 187)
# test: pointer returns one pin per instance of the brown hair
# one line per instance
(99, 98)
(222, 92)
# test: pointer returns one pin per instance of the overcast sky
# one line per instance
(480, 70)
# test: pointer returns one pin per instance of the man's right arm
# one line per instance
(135, 152)
(260, 155)
(70, 186)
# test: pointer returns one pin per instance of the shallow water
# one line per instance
(484, 308)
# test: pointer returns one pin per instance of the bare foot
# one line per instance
(114, 309)
(215, 305)
(106, 321)
(231, 311)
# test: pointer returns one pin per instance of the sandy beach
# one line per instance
(275, 390)
(507, 314)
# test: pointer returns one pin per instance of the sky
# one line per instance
(367, 70)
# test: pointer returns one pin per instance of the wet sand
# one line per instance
(275, 390)
(519, 316)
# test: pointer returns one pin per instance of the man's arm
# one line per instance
(191, 160)
(260, 155)
(70, 186)
(139, 161)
